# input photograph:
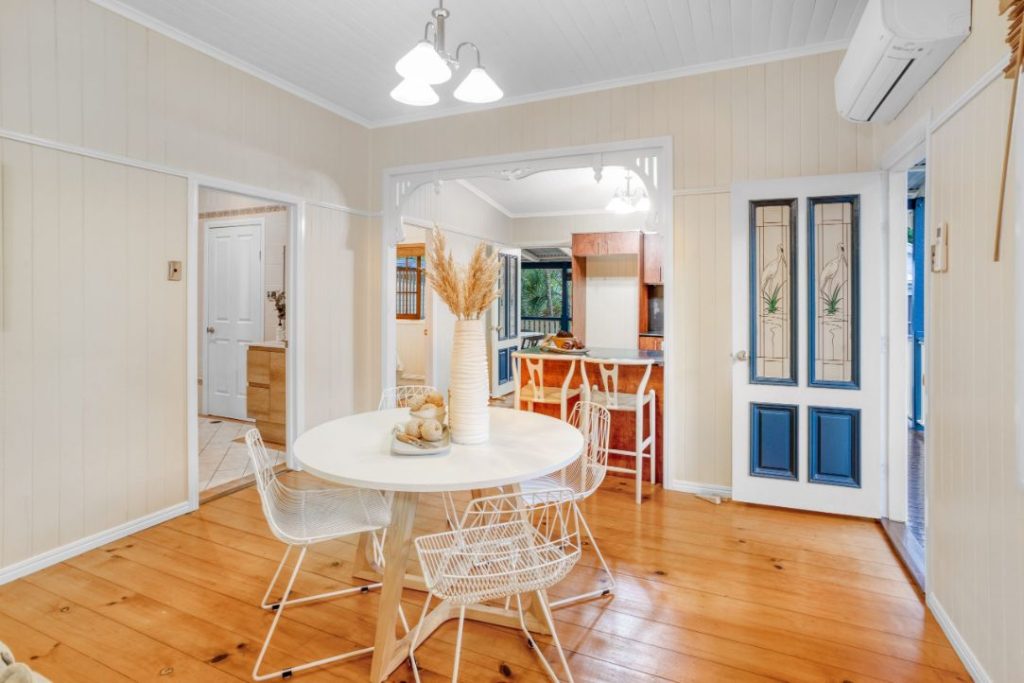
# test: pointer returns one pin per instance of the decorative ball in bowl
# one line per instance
(429, 407)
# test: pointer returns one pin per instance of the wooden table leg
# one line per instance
(397, 547)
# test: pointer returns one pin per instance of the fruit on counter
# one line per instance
(563, 340)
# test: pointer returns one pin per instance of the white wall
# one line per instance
(540, 231)
(613, 296)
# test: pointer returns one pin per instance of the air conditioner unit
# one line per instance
(895, 49)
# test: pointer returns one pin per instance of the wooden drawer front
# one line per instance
(278, 406)
(258, 402)
(258, 366)
(650, 343)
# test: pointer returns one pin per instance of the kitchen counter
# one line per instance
(623, 427)
(652, 334)
(603, 354)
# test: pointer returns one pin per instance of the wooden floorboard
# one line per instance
(706, 592)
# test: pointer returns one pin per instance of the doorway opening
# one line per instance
(916, 352)
(597, 218)
(242, 267)
(412, 312)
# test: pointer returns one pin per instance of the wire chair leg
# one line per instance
(287, 672)
(554, 637)
(458, 644)
(416, 638)
(273, 582)
(599, 593)
(530, 642)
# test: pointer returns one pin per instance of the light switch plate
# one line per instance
(174, 270)
(940, 249)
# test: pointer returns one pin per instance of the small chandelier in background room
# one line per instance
(428, 64)
(629, 200)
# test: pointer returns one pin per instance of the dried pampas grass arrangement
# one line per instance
(468, 291)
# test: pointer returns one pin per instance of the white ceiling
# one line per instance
(552, 193)
(341, 53)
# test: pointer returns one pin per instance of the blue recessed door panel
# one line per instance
(834, 446)
(773, 441)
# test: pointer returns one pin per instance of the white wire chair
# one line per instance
(401, 396)
(503, 547)
(301, 518)
(582, 477)
(633, 401)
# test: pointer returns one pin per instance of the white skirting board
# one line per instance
(699, 488)
(963, 650)
(57, 555)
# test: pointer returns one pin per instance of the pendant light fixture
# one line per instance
(428, 64)
(627, 200)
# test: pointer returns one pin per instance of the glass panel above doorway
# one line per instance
(773, 291)
(832, 297)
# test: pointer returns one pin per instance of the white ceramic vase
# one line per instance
(468, 390)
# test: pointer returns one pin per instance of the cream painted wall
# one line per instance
(94, 424)
(975, 548)
(92, 348)
(764, 121)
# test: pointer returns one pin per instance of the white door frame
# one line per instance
(649, 158)
(906, 152)
(294, 353)
(213, 224)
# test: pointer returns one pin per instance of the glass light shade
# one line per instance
(478, 87)
(422, 63)
(644, 203)
(416, 93)
(618, 204)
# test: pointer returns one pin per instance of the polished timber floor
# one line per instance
(706, 593)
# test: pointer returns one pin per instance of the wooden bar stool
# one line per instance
(534, 391)
(609, 394)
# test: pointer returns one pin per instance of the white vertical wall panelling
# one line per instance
(975, 549)
(101, 122)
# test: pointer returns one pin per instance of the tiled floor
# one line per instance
(222, 453)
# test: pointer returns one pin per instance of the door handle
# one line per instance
(210, 330)
(740, 356)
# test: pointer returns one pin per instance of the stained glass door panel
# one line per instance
(833, 291)
(773, 347)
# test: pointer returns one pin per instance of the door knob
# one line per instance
(210, 330)
(740, 356)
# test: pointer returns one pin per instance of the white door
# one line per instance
(505, 322)
(234, 312)
(808, 324)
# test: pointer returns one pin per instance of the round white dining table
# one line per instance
(356, 451)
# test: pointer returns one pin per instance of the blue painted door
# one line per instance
(916, 331)
(808, 317)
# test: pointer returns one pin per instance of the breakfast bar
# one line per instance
(560, 365)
